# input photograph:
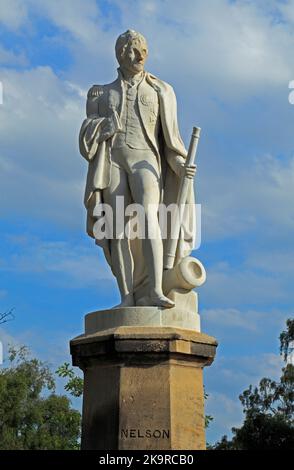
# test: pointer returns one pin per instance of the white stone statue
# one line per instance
(132, 143)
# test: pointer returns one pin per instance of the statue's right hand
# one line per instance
(108, 129)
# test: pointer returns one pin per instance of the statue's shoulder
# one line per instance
(158, 84)
(95, 91)
(98, 90)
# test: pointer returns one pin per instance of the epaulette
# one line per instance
(95, 91)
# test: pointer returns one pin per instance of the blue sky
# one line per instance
(230, 63)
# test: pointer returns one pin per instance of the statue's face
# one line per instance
(135, 56)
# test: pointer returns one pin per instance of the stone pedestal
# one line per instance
(143, 386)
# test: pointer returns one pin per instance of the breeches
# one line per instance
(135, 175)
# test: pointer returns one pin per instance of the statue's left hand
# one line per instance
(189, 171)
(182, 170)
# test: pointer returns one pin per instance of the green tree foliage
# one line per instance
(208, 418)
(32, 416)
(75, 384)
(268, 409)
(286, 338)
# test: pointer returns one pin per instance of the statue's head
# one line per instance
(131, 51)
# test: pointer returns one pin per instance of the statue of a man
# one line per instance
(132, 143)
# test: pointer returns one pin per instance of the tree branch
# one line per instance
(6, 316)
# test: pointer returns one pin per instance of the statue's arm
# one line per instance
(175, 161)
(176, 152)
(95, 128)
(92, 105)
(177, 164)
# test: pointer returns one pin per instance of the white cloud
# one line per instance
(78, 266)
(79, 17)
(287, 11)
(258, 197)
(232, 318)
(250, 369)
(234, 286)
(13, 13)
(39, 158)
(8, 57)
(226, 413)
(232, 45)
(279, 260)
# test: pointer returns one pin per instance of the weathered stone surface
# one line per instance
(145, 316)
(143, 387)
(131, 141)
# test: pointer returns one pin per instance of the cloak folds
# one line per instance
(97, 151)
